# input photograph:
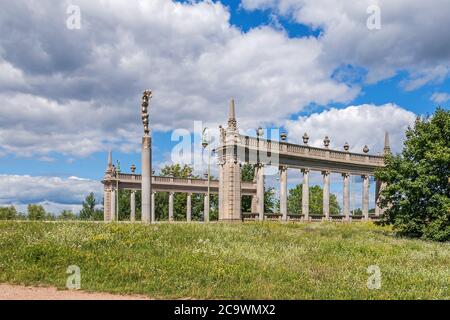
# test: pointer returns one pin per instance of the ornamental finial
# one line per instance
(346, 146)
(146, 96)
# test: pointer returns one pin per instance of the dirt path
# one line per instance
(15, 292)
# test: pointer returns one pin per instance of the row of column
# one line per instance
(305, 193)
(171, 214)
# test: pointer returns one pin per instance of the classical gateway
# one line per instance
(235, 149)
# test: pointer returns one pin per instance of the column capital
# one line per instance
(345, 174)
(260, 165)
(326, 172)
(305, 170)
(283, 168)
(365, 176)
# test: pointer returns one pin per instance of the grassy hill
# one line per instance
(251, 260)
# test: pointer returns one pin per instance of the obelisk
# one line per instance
(146, 184)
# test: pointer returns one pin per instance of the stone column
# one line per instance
(133, 206)
(305, 194)
(189, 207)
(146, 179)
(365, 196)
(346, 195)
(113, 205)
(326, 194)
(254, 208)
(283, 192)
(171, 219)
(153, 218)
(206, 208)
(260, 191)
(379, 188)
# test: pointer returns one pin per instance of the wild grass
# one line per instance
(226, 261)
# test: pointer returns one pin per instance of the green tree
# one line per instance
(247, 175)
(8, 213)
(315, 201)
(180, 199)
(89, 212)
(67, 215)
(36, 212)
(270, 201)
(125, 205)
(416, 192)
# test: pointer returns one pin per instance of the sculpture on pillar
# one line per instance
(146, 96)
(146, 184)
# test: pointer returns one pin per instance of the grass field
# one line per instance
(213, 261)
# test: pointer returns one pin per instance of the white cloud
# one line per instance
(25, 189)
(410, 37)
(357, 125)
(440, 97)
(78, 91)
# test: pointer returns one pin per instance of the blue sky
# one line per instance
(287, 66)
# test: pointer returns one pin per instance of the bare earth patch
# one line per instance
(16, 292)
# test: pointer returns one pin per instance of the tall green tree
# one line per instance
(315, 201)
(89, 212)
(36, 212)
(8, 213)
(416, 193)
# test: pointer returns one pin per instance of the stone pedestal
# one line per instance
(146, 179)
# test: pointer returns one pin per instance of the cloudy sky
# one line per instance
(69, 92)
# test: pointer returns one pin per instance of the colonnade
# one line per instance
(305, 205)
(171, 217)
